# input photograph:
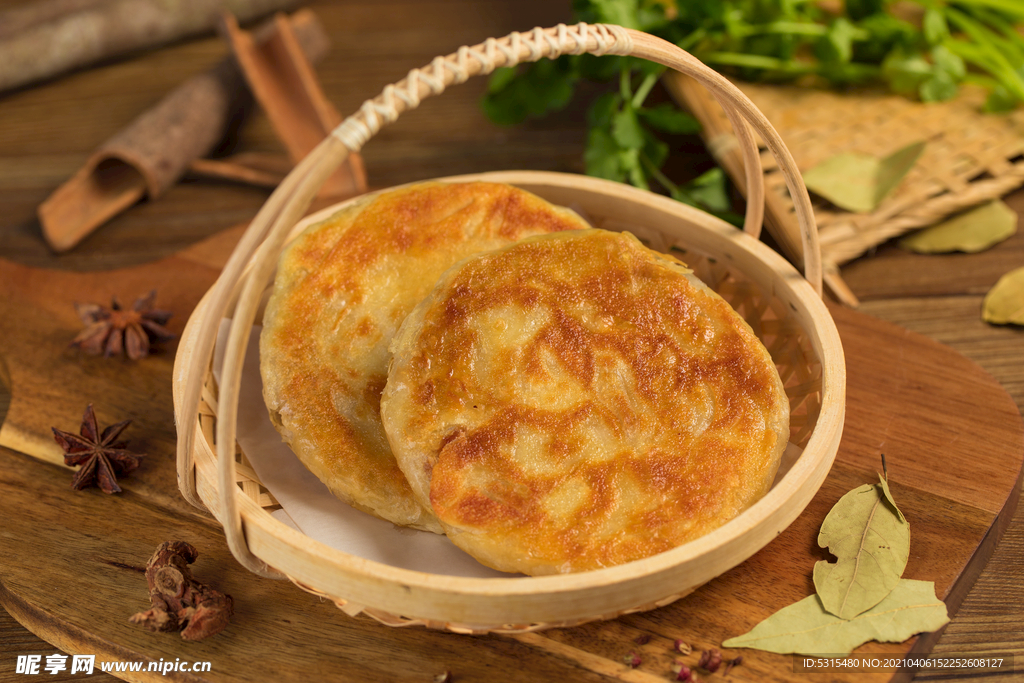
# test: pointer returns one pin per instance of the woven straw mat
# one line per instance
(970, 157)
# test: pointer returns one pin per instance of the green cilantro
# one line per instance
(952, 41)
(668, 118)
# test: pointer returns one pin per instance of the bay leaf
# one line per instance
(871, 540)
(806, 628)
(859, 182)
(847, 180)
(888, 496)
(970, 232)
(1004, 303)
(893, 168)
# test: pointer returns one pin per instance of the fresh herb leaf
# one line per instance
(706, 191)
(620, 147)
(837, 44)
(934, 26)
(654, 149)
(621, 12)
(1000, 101)
(670, 119)
(859, 9)
(630, 161)
(905, 71)
(604, 107)
(500, 79)
(947, 71)
(626, 128)
(544, 86)
(768, 40)
(601, 156)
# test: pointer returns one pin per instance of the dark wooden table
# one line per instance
(49, 130)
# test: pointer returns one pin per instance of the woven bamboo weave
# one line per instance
(970, 157)
(784, 310)
(769, 315)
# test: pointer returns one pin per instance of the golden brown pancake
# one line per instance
(577, 401)
(342, 289)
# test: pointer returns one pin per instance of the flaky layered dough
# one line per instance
(577, 401)
(342, 289)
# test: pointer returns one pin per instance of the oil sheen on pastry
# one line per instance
(342, 289)
(577, 401)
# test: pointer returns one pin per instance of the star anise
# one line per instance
(101, 457)
(112, 330)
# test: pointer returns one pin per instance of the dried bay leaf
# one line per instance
(871, 540)
(847, 180)
(859, 182)
(806, 628)
(893, 168)
(1004, 303)
(883, 482)
(970, 232)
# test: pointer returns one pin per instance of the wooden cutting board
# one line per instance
(71, 562)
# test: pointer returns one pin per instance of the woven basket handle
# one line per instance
(268, 231)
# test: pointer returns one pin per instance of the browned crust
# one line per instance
(342, 290)
(638, 413)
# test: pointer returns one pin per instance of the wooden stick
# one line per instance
(49, 39)
(155, 150)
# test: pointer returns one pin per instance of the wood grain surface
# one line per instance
(935, 414)
(86, 544)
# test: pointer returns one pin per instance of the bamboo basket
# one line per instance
(783, 308)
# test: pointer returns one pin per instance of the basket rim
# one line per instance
(823, 336)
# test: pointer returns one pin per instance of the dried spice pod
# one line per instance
(101, 456)
(730, 663)
(710, 660)
(179, 601)
(632, 659)
(112, 331)
(684, 673)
